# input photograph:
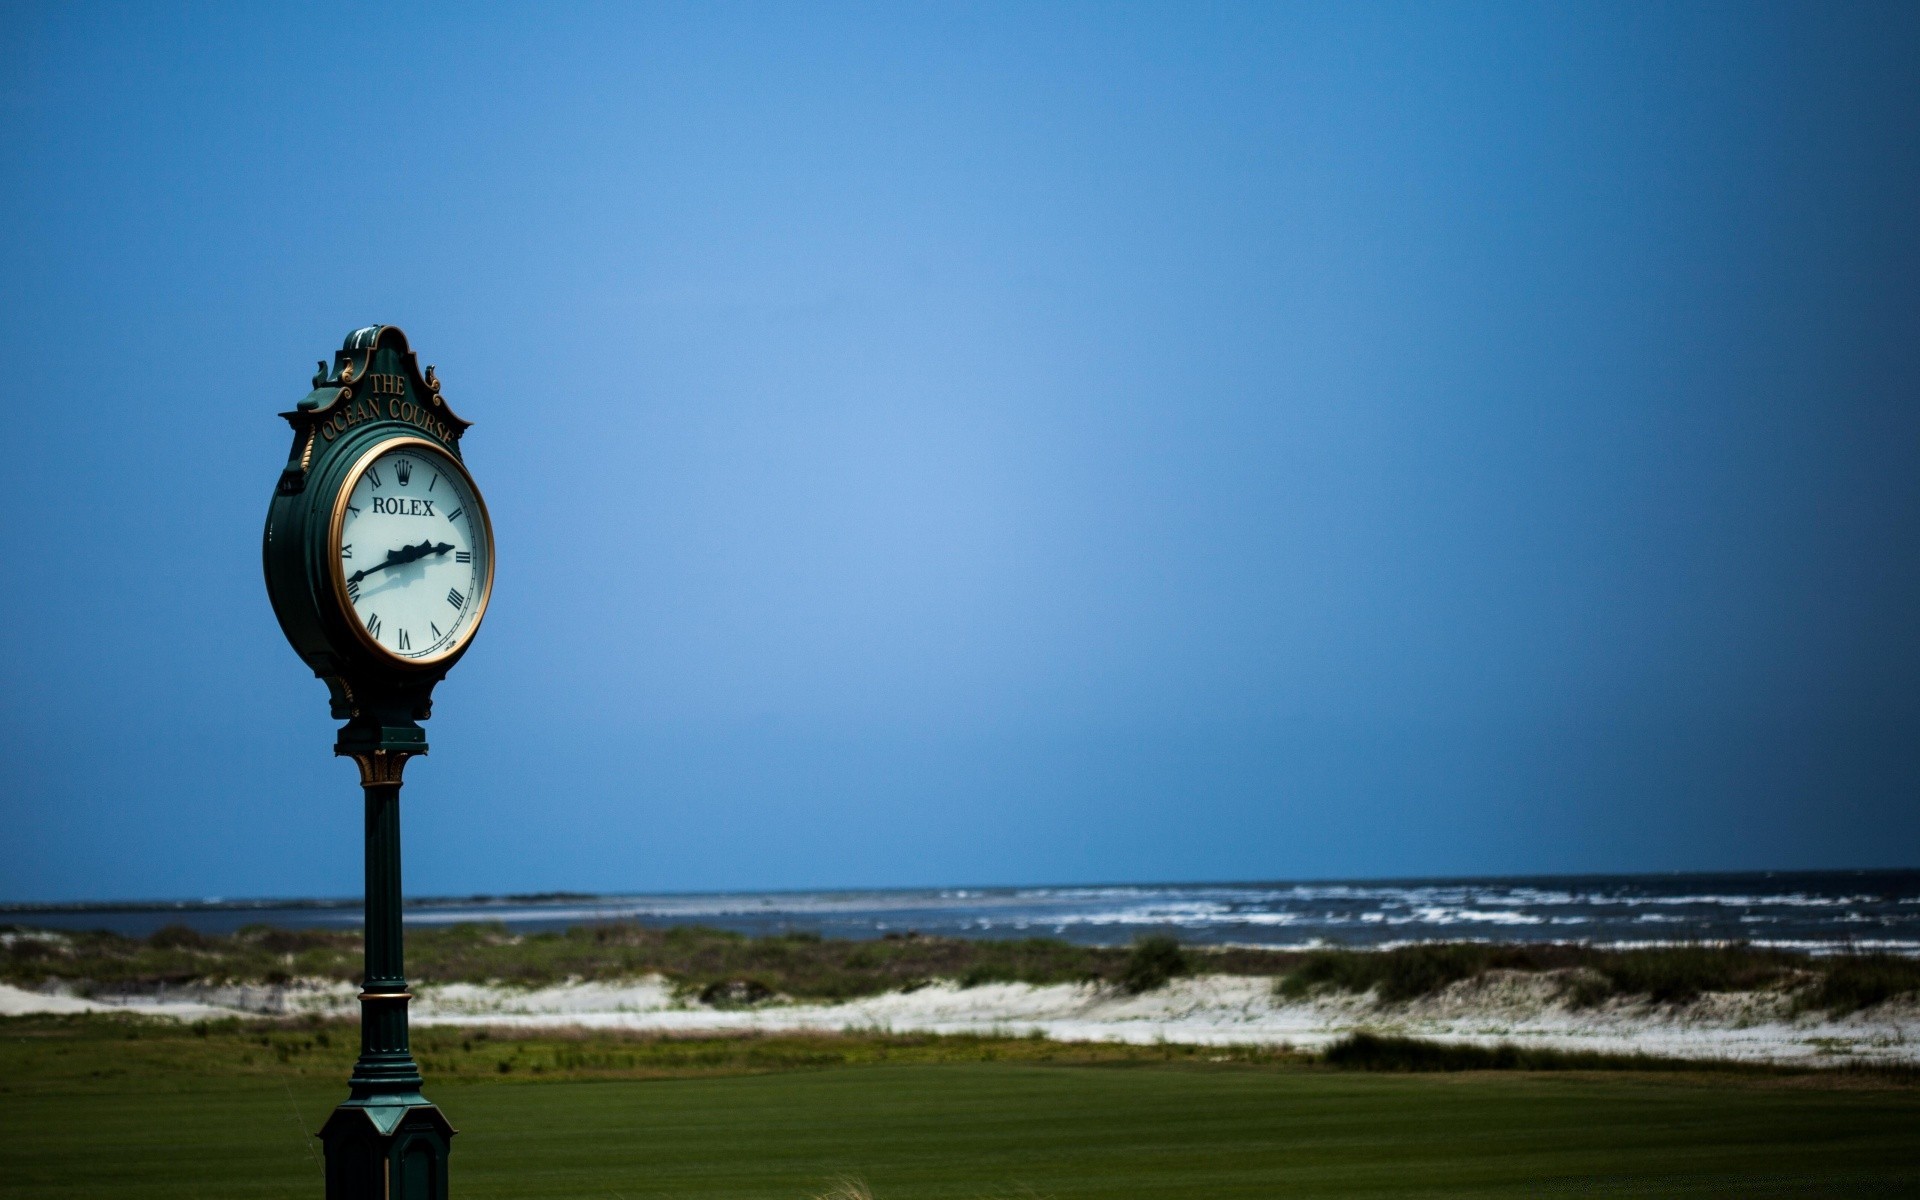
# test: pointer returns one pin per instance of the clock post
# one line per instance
(375, 465)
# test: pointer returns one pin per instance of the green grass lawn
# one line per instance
(86, 1111)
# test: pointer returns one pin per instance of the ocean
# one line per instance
(1823, 912)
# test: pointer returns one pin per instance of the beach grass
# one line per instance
(716, 965)
(1838, 983)
(1853, 982)
(699, 959)
(96, 1106)
(724, 968)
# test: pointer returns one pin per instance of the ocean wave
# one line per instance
(1830, 911)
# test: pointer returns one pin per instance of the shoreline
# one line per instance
(1822, 912)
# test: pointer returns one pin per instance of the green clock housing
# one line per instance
(378, 548)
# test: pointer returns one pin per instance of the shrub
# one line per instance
(1156, 958)
(1852, 982)
(1403, 973)
(1677, 974)
(1587, 989)
(1663, 974)
(735, 993)
(977, 975)
(1341, 970)
(1374, 1052)
(1413, 971)
(177, 937)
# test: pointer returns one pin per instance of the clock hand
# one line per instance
(401, 557)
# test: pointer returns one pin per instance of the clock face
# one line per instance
(413, 551)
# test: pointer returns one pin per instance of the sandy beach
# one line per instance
(1524, 1009)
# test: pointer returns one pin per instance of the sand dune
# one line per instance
(1208, 1010)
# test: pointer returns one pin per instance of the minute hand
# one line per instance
(401, 557)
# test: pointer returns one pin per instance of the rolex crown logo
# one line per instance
(404, 470)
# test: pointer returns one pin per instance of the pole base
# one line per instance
(387, 1152)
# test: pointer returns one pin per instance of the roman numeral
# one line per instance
(436, 630)
(353, 591)
(373, 625)
(404, 643)
(455, 514)
(353, 510)
(436, 479)
(373, 473)
(346, 551)
(455, 598)
(463, 556)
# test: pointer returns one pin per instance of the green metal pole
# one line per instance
(387, 1142)
(386, 1068)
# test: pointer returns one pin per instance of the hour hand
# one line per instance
(401, 557)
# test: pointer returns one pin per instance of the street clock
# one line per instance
(379, 563)
(378, 549)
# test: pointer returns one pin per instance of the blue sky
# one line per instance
(983, 444)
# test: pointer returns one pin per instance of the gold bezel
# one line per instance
(338, 523)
